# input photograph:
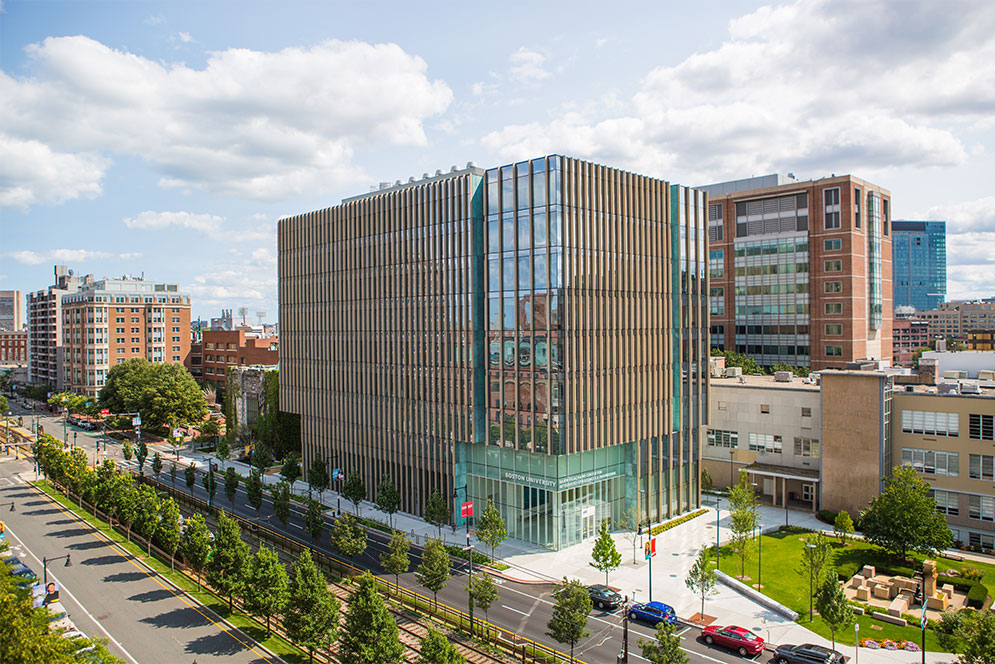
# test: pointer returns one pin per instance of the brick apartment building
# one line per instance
(955, 319)
(110, 321)
(219, 349)
(13, 347)
(800, 271)
(908, 336)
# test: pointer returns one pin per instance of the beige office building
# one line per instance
(45, 328)
(534, 334)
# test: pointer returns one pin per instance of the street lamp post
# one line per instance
(12, 506)
(760, 537)
(469, 556)
(45, 561)
(718, 501)
(466, 493)
(811, 551)
(623, 655)
(856, 643)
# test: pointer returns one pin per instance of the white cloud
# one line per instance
(29, 257)
(234, 285)
(813, 86)
(185, 37)
(155, 19)
(149, 220)
(130, 255)
(526, 66)
(32, 173)
(249, 123)
(965, 216)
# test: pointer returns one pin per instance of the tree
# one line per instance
(156, 464)
(742, 516)
(570, 610)
(833, 605)
(977, 634)
(904, 517)
(190, 477)
(482, 591)
(231, 484)
(369, 635)
(267, 587)
(437, 649)
(3, 400)
(816, 559)
(701, 578)
(843, 526)
(126, 451)
(172, 474)
(665, 648)
(161, 392)
(388, 499)
(734, 359)
(168, 532)
(254, 488)
(395, 560)
(196, 544)
(606, 557)
(147, 506)
(281, 501)
(706, 479)
(354, 490)
(433, 572)
(492, 530)
(311, 618)
(262, 458)
(223, 449)
(436, 511)
(229, 560)
(314, 520)
(348, 536)
(122, 500)
(317, 475)
(291, 470)
(141, 454)
(629, 523)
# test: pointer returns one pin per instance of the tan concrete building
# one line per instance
(955, 319)
(11, 311)
(110, 321)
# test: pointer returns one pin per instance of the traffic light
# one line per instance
(918, 596)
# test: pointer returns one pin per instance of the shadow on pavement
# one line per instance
(220, 643)
(152, 596)
(82, 546)
(125, 576)
(53, 510)
(70, 532)
(184, 617)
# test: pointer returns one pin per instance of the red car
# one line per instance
(735, 638)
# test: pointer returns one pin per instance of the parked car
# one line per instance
(604, 597)
(735, 638)
(807, 653)
(653, 613)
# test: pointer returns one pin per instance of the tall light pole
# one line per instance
(760, 535)
(469, 580)
(45, 561)
(811, 551)
(718, 500)
(856, 643)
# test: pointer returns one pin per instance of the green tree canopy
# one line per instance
(436, 510)
(483, 591)
(665, 648)
(231, 484)
(701, 578)
(370, 633)
(433, 572)
(904, 517)
(190, 477)
(388, 499)
(437, 649)
(160, 392)
(254, 488)
(281, 501)
(314, 518)
(843, 526)
(147, 507)
(396, 559)
(492, 529)
(168, 533)
(267, 587)
(317, 474)
(229, 562)
(605, 557)
(291, 469)
(354, 489)
(312, 614)
(195, 545)
(833, 605)
(348, 536)
(570, 610)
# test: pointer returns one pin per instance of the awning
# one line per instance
(785, 472)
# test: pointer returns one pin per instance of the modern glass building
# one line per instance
(534, 334)
(919, 259)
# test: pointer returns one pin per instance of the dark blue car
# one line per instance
(653, 613)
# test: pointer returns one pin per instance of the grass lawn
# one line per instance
(243, 622)
(782, 553)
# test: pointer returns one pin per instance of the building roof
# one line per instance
(764, 381)
(789, 472)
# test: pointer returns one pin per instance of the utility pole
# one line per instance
(623, 655)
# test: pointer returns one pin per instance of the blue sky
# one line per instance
(168, 137)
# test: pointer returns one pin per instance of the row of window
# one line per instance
(930, 423)
(935, 462)
(764, 442)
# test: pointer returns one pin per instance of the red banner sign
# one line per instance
(466, 509)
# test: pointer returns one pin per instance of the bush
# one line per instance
(847, 570)
(656, 530)
(976, 596)
(826, 516)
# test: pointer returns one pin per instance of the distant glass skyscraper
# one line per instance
(919, 264)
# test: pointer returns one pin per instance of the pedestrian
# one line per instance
(453, 526)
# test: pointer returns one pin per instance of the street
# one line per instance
(523, 609)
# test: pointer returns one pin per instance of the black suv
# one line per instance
(807, 653)
(604, 597)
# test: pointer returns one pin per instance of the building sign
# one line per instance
(529, 480)
(466, 509)
(105, 412)
(564, 483)
(136, 421)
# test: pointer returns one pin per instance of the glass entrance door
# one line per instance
(588, 528)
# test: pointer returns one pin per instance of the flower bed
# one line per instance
(888, 644)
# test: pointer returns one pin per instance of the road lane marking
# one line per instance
(515, 610)
(150, 573)
(63, 588)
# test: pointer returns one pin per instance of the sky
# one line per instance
(167, 138)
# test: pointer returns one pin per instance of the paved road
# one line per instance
(521, 608)
(109, 594)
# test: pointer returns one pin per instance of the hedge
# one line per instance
(656, 530)
(826, 516)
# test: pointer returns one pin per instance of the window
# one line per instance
(856, 207)
(834, 286)
(984, 540)
(831, 211)
(946, 502)
(930, 423)
(176, 319)
(932, 462)
(832, 197)
(981, 467)
(722, 405)
(981, 508)
(765, 408)
(833, 266)
(765, 443)
(806, 447)
(806, 412)
(833, 245)
(834, 330)
(982, 427)
(120, 351)
(720, 438)
(834, 307)
(834, 351)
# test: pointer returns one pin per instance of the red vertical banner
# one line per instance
(466, 509)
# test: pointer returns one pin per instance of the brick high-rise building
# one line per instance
(533, 334)
(221, 349)
(45, 328)
(801, 270)
(13, 347)
(112, 320)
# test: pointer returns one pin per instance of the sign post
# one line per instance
(922, 625)
(650, 550)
